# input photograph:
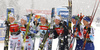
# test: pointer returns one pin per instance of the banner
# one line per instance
(63, 12)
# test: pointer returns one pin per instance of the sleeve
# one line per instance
(55, 34)
(33, 28)
(91, 35)
(81, 32)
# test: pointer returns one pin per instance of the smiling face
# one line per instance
(57, 21)
(74, 21)
(23, 22)
(11, 19)
(43, 20)
(85, 22)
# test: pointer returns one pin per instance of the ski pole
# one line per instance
(95, 11)
(94, 7)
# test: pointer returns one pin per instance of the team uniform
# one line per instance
(42, 29)
(15, 38)
(61, 32)
(89, 44)
(28, 43)
(78, 28)
(79, 37)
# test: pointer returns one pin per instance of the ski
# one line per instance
(70, 16)
(47, 33)
(51, 27)
(6, 42)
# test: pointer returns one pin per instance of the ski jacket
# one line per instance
(23, 31)
(14, 28)
(79, 30)
(40, 28)
(60, 29)
(90, 33)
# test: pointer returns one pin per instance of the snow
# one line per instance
(84, 6)
(96, 36)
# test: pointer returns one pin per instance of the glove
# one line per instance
(89, 29)
(7, 23)
(25, 25)
(64, 23)
(35, 23)
(84, 27)
(60, 24)
(31, 35)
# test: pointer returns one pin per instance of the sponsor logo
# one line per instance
(23, 29)
(63, 13)
(15, 38)
(14, 25)
(43, 27)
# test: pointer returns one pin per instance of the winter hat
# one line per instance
(57, 17)
(11, 15)
(24, 17)
(43, 15)
(76, 17)
(87, 19)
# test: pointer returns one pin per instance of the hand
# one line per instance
(75, 34)
(35, 19)
(69, 31)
